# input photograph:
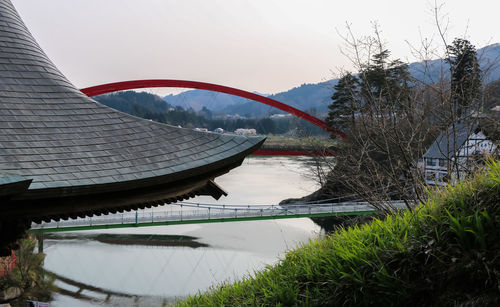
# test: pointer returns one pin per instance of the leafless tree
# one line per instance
(396, 119)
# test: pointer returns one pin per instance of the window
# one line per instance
(430, 162)
(442, 162)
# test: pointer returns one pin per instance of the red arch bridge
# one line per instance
(153, 83)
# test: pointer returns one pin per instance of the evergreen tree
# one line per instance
(374, 78)
(343, 107)
(465, 75)
(385, 85)
(383, 88)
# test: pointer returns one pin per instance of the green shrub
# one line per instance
(28, 275)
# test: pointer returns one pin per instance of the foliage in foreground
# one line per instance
(28, 275)
(445, 253)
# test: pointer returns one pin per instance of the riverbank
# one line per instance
(445, 253)
(277, 142)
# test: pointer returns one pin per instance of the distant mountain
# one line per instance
(432, 71)
(197, 99)
(304, 97)
(308, 96)
(127, 101)
(317, 96)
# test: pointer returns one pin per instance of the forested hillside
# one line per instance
(152, 107)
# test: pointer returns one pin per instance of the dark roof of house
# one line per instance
(62, 146)
(448, 143)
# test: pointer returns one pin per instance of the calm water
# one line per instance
(158, 274)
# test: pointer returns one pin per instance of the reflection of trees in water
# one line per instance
(85, 287)
(133, 239)
(101, 296)
(28, 276)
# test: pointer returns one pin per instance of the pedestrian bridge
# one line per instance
(196, 213)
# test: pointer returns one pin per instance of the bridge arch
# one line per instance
(135, 84)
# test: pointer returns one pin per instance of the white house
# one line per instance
(241, 131)
(454, 154)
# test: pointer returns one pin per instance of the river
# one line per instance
(152, 275)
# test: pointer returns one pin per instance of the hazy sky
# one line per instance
(257, 45)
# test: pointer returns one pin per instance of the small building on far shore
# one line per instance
(241, 131)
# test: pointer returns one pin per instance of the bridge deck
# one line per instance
(191, 213)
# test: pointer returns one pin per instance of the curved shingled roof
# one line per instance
(80, 157)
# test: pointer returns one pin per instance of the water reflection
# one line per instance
(131, 239)
(146, 266)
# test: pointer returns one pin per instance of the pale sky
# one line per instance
(266, 46)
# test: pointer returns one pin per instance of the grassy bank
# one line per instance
(446, 253)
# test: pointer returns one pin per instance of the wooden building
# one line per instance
(64, 155)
